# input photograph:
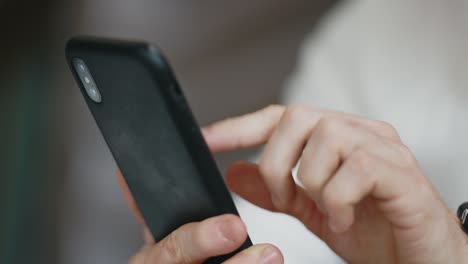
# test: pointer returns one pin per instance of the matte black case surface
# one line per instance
(151, 132)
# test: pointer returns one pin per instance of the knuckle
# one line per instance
(171, 247)
(407, 157)
(329, 133)
(295, 113)
(388, 129)
(361, 161)
(330, 127)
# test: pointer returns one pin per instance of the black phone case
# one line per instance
(152, 134)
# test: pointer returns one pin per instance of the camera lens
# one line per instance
(87, 80)
(94, 94)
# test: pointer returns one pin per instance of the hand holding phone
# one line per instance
(149, 128)
(195, 242)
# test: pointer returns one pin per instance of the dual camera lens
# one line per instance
(87, 80)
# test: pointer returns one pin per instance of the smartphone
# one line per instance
(150, 130)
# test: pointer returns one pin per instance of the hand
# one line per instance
(362, 191)
(195, 242)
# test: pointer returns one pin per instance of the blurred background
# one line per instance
(60, 202)
(404, 62)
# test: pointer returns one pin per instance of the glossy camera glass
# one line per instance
(87, 80)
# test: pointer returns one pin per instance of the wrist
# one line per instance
(453, 244)
(464, 256)
(463, 248)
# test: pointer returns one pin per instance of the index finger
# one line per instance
(256, 128)
(245, 131)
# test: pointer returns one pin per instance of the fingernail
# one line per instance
(226, 230)
(275, 200)
(336, 225)
(270, 256)
(333, 225)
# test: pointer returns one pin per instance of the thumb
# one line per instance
(244, 179)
